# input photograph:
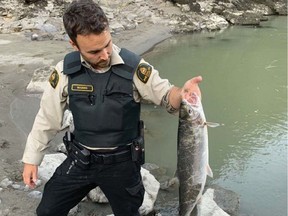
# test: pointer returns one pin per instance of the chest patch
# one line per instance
(82, 88)
(143, 72)
(54, 79)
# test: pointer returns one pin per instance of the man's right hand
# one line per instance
(30, 175)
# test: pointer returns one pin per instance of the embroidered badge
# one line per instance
(82, 88)
(143, 72)
(54, 79)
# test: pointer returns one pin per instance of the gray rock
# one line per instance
(73, 211)
(281, 8)
(43, 19)
(242, 18)
(39, 79)
(17, 187)
(35, 195)
(5, 183)
(208, 206)
(116, 27)
(228, 200)
(34, 37)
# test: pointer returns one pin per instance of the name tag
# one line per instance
(82, 88)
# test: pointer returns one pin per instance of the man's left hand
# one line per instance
(191, 86)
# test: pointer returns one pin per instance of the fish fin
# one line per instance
(209, 171)
(212, 124)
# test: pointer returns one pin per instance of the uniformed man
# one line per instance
(102, 85)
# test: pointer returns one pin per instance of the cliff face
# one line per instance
(278, 7)
(42, 19)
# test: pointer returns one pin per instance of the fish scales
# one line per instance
(192, 154)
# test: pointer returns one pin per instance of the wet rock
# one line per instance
(228, 200)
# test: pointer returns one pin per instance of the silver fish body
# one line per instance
(192, 155)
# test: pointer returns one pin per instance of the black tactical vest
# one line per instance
(102, 104)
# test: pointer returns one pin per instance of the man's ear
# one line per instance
(74, 45)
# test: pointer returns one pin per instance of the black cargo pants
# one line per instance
(120, 182)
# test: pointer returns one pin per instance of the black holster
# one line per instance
(78, 154)
(138, 146)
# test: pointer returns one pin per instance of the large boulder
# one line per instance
(242, 18)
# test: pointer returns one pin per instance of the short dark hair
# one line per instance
(84, 17)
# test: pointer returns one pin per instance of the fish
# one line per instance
(192, 153)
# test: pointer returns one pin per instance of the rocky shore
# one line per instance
(42, 20)
(32, 39)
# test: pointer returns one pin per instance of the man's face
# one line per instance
(96, 49)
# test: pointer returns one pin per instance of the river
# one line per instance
(244, 88)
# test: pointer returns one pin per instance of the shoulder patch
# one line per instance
(54, 79)
(143, 72)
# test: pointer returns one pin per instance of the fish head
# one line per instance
(191, 108)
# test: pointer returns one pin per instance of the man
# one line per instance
(102, 85)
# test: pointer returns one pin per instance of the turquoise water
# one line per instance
(244, 88)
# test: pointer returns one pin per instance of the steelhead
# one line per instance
(192, 154)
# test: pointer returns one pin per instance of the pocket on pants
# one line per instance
(137, 189)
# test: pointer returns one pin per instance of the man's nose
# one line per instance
(105, 54)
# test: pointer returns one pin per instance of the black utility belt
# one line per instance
(111, 158)
(84, 157)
